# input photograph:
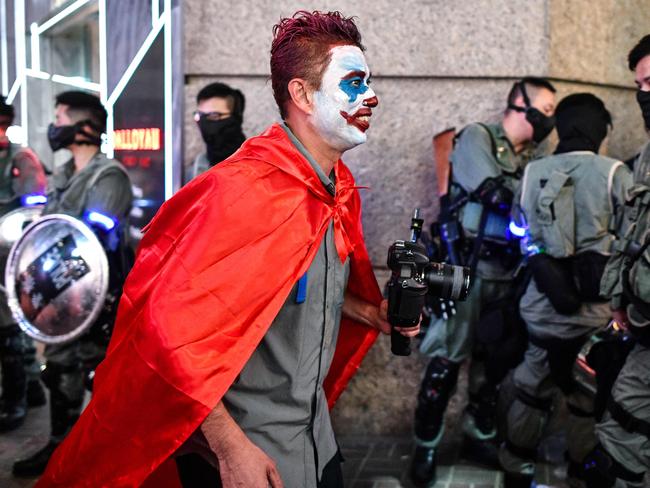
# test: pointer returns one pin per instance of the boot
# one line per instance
(517, 480)
(13, 407)
(35, 464)
(423, 467)
(479, 426)
(35, 394)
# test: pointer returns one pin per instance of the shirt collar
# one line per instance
(325, 180)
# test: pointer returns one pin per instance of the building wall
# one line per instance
(435, 64)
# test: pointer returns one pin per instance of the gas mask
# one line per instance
(542, 124)
(643, 98)
(63, 136)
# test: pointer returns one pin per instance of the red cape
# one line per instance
(214, 268)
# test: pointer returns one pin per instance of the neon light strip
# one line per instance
(103, 61)
(168, 101)
(155, 11)
(110, 132)
(21, 61)
(36, 52)
(13, 92)
(107, 147)
(37, 74)
(77, 82)
(3, 46)
(126, 77)
(62, 15)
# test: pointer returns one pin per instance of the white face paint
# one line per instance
(344, 102)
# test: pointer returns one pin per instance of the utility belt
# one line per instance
(629, 422)
(569, 282)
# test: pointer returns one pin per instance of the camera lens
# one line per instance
(448, 281)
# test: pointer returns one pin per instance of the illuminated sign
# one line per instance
(137, 139)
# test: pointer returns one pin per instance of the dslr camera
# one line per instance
(413, 276)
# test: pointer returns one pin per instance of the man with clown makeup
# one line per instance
(252, 301)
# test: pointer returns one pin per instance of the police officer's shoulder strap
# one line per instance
(103, 171)
(610, 183)
(493, 143)
(628, 421)
(110, 167)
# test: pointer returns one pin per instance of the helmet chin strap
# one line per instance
(91, 139)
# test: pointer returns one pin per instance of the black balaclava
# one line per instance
(643, 97)
(582, 122)
(542, 124)
(63, 136)
(222, 137)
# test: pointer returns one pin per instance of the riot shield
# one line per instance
(56, 279)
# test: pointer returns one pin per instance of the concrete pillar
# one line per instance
(436, 64)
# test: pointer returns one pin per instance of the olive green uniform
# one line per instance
(481, 152)
(573, 203)
(21, 173)
(631, 392)
(102, 186)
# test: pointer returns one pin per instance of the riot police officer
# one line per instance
(88, 182)
(487, 161)
(623, 455)
(21, 176)
(572, 205)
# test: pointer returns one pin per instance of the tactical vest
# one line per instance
(70, 197)
(564, 204)
(628, 271)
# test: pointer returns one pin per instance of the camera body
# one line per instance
(407, 287)
(412, 277)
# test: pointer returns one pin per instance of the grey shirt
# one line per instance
(278, 398)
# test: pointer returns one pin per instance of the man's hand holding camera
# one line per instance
(376, 317)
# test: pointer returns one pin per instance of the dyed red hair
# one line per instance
(301, 49)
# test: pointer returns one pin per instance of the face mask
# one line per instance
(222, 137)
(342, 105)
(643, 97)
(542, 124)
(63, 136)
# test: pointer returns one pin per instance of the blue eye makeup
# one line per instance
(353, 87)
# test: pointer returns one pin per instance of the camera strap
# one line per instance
(478, 243)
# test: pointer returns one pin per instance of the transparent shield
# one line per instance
(56, 279)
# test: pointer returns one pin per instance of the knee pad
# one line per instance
(436, 389)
